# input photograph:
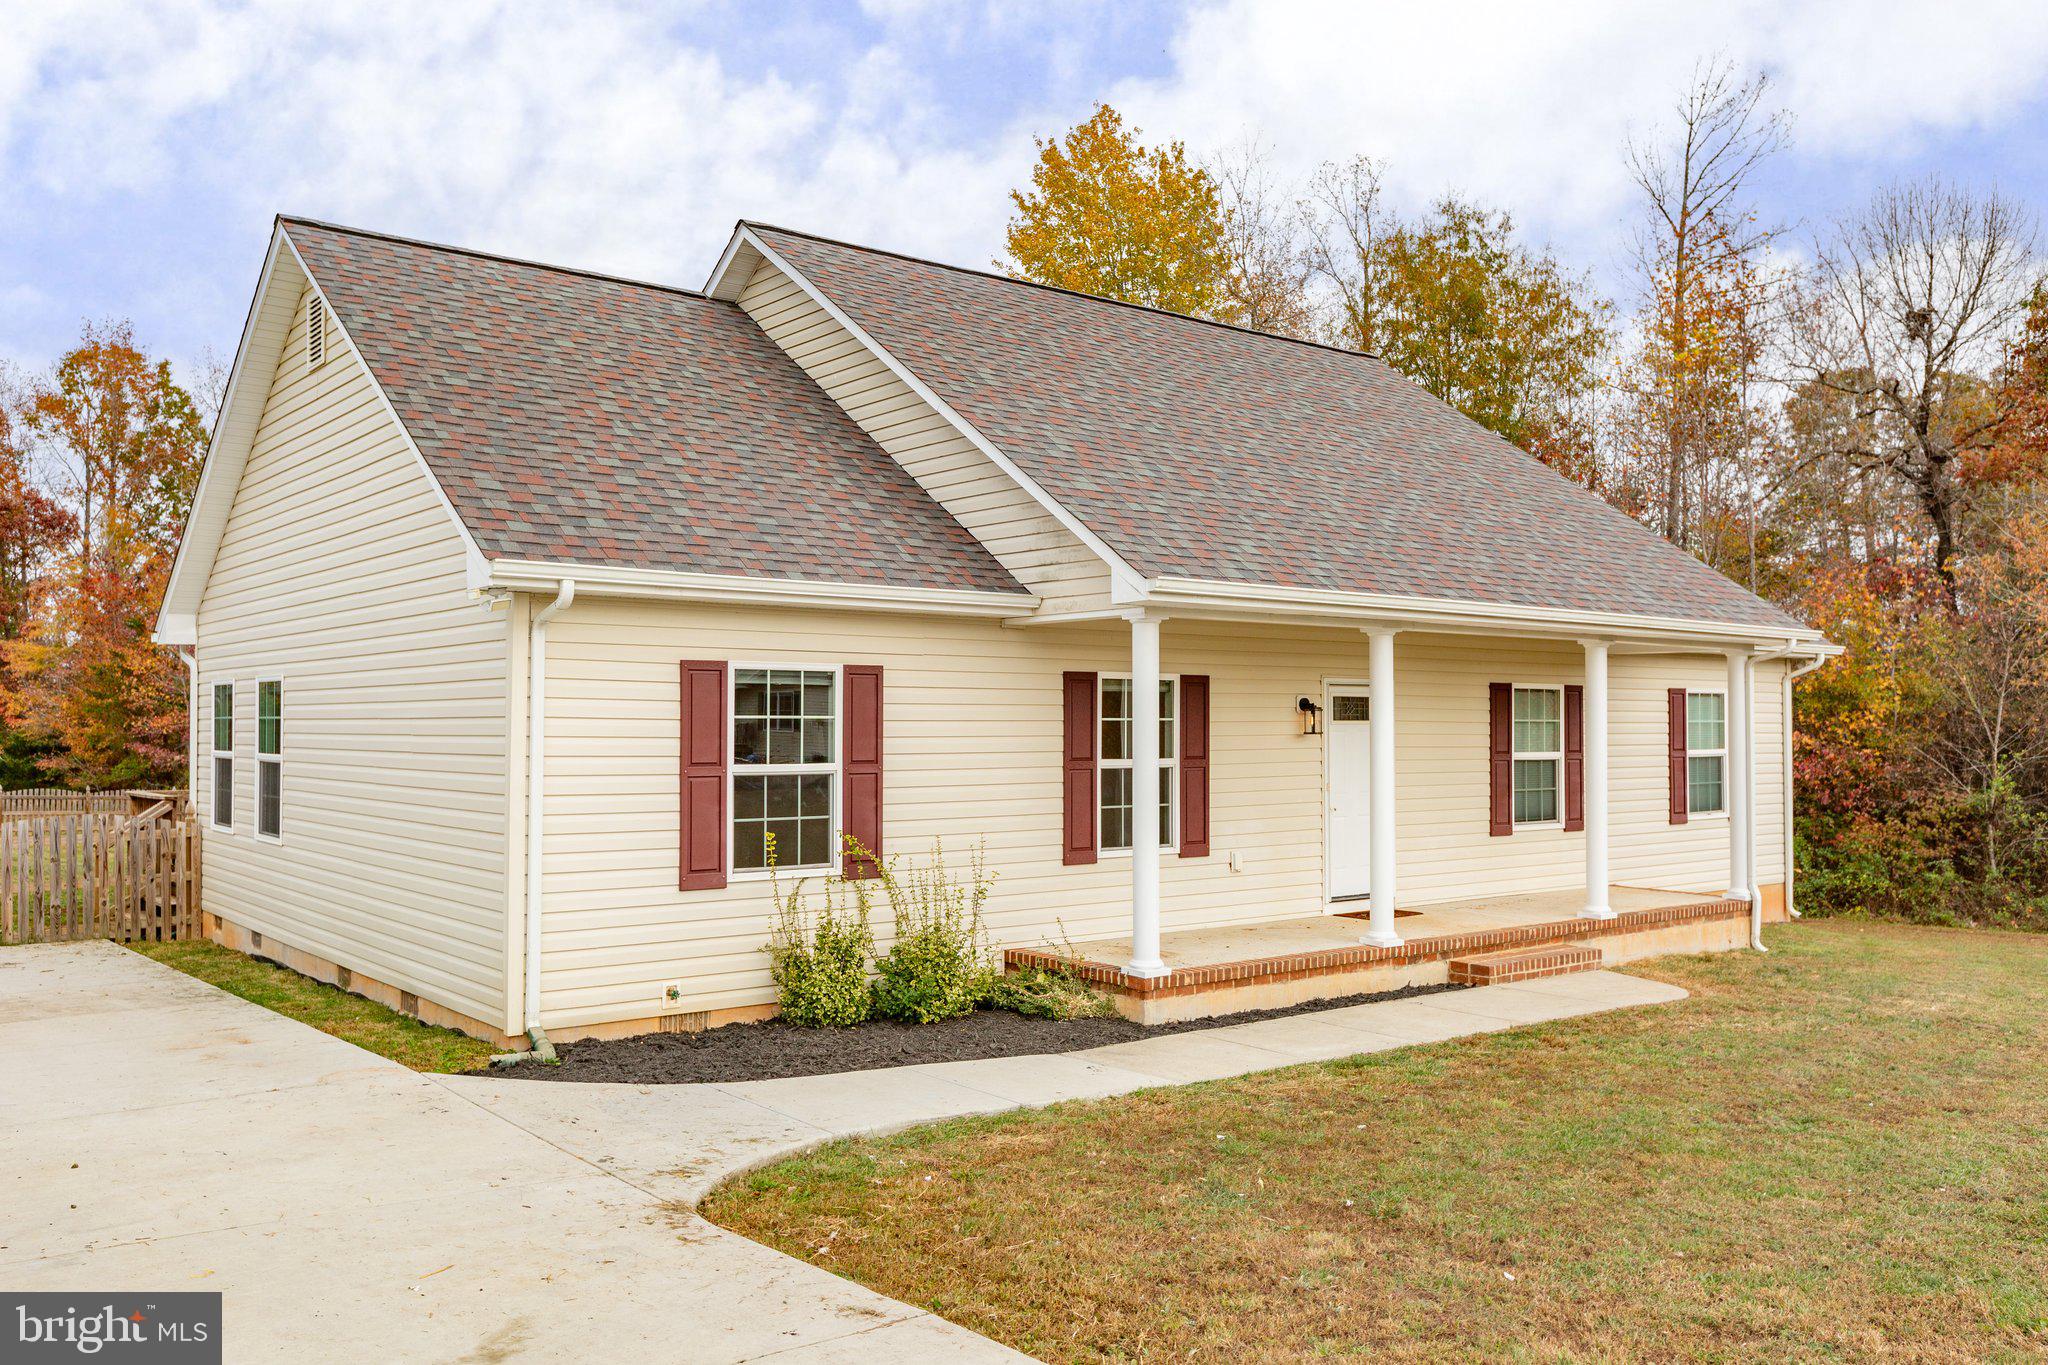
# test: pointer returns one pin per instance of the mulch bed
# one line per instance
(772, 1049)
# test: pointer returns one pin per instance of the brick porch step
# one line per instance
(1494, 969)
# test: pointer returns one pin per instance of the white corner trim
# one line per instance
(1120, 571)
(474, 564)
(673, 585)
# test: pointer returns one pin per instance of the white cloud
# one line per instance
(620, 137)
(1528, 105)
(599, 136)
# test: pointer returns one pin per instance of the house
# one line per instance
(522, 603)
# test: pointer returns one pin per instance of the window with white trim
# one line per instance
(270, 758)
(1113, 778)
(1539, 755)
(1706, 752)
(785, 767)
(224, 756)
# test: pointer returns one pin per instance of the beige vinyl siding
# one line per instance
(341, 572)
(972, 755)
(1047, 558)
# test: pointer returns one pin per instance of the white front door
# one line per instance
(1347, 739)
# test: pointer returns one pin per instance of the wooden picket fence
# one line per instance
(57, 801)
(83, 875)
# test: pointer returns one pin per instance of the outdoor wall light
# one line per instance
(1311, 716)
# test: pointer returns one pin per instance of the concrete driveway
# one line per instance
(158, 1134)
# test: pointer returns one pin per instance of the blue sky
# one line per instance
(144, 147)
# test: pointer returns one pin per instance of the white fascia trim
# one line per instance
(476, 567)
(1115, 562)
(1194, 596)
(180, 627)
(671, 585)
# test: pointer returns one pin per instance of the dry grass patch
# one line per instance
(1832, 1152)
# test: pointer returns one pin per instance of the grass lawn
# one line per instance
(365, 1023)
(1836, 1151)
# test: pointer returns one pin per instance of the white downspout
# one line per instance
(190, 658)
(1791, 855)
(536, 791)
(1748, 833)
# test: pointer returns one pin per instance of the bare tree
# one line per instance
(1911, 304)
(1348, 227)
(1267, 287)
(1699, 229)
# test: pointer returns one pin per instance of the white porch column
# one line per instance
(1595, 741)
(1380, 928)
(1145, 959)
(1738, 766)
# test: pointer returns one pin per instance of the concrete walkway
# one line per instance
(161, 1134)
(158, 1134)
(682, 1141)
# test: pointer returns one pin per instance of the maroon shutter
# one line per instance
(1194, 766)
(1574, 756)
(703, 776)
(861, 744)
(1680, 806)
(1501, 750)
(1079, 750)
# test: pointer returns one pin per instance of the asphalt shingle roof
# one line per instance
(577, 418)
(1201, 451)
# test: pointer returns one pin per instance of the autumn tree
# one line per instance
(1691, 394)
(1107, 215)
(1502, 332)
(1912, 303)
(124, 441)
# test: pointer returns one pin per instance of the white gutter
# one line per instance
(536, 792)
(1192, 597)
(731, 589)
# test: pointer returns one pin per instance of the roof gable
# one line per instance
(578, 419)
(1207, 452)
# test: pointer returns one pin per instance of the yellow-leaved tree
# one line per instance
(1107, 215)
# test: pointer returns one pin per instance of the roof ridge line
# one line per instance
(528, 262)
(760, 226)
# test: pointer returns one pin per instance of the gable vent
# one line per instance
(316, 332)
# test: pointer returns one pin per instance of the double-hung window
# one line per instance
(270, 759)
(1706, 752)
(1538, 755)
(224, 756)
(785, 765)
(1115, 750)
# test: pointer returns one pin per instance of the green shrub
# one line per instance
(820, 962)
(939, 967)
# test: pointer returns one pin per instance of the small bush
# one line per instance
(820, 962)
(939, 967)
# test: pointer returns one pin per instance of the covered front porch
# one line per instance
(1285, 962)
(1415, 732)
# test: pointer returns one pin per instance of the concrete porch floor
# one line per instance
(1186, 948)
(1321, 957)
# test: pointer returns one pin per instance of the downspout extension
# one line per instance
(536, 787)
